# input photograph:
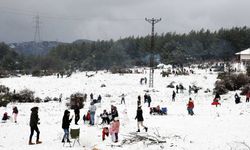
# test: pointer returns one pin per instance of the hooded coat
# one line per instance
(66, 121)
(139, 116)
(34, 117)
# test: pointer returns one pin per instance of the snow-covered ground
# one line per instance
(214, 128)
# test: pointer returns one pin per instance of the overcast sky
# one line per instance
(69, 20)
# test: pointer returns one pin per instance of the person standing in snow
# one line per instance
(190, 107)
(15, 112)
(145, 98)
(114, 112)
(177, 88)
(65, 125)
(139, 117)
(189, 90)
(91, 96)
(92, 109)
(173, 96)
(123, 98)
(77, 114)
(99, 99)
(34, 121)
(247, 96)
(139, 101)
(60, 98)
(149, 100)
(114, 129)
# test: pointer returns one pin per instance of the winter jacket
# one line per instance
(190, 104)
(5, 116)
(15, 110)
(139, 116)
(92, 108)
(114, 128)
(248, 95)
(149, 99)
(114, 113)
(88, 116)
(34, 117)
(105, 132)
(66, 121)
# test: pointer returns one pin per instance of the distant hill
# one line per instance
(34, 48)
(80, 41)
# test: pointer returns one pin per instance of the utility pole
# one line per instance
(37, 37)
(152, 21)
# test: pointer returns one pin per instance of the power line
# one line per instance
(61, 17)
(37, 37)
(152, 21)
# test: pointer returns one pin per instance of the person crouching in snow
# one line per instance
(114, 129)
(105, 132)
(140, 119)
(190, 107)
(65, 125)
(5, 117)
(216, 100)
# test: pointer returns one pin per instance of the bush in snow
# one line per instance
(4, 100)
(77, 99)
(115, 69)
(248, 70)
(245, 89)
(231, 82)
(165, 73)
(26, 95)
(4, 89)
(47, 99)
(220, 87)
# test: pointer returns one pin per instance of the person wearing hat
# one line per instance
(139, 117)
(114, 129)
(34, 121)
(65, 125)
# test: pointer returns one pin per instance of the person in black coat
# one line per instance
(149, 100)
(114, 112)
(140, 119)
(138, 100)
(65, 125)
(173, 96)
(237, 98)
(77, 114)
(34, 121)
(145, 98)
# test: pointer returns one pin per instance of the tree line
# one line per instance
(173, 48)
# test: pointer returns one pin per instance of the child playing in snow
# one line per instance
(105, 132)
(15, 112)
(114, 129)
(86, 117)
(5, 117)
(190, 107)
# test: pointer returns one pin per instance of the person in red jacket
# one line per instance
(247, 96)
(190, 107)
(105, 132)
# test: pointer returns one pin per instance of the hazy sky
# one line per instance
(69, 20)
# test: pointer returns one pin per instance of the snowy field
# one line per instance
(226, 127)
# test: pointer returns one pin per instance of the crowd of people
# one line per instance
(110, 119)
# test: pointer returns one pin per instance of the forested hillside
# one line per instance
(172, 48)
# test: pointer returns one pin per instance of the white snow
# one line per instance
(217, 128)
